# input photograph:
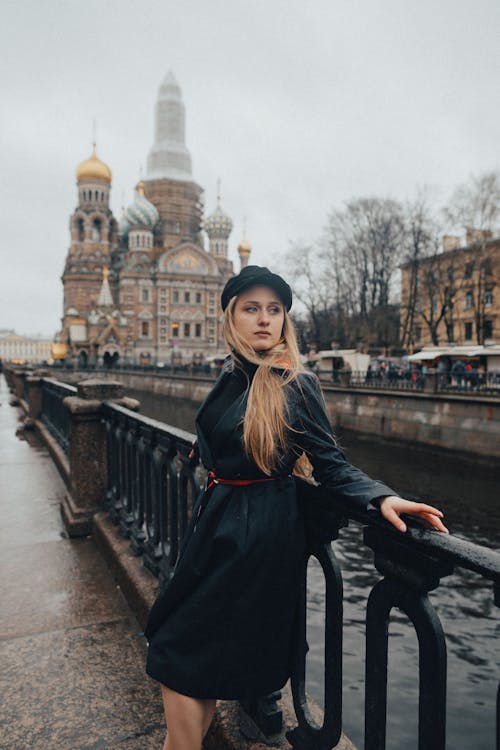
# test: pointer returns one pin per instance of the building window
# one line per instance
(469, 270)
(175, 296)
(187, 330)
(468, 331)
(163, 308)
(198, 298)
(488, 297)
(145, 295)
(187, 297)
(468, 300)
(81, 230)
(177, 227)
(144, 329)
(488, 329)
(418, 333)
(449, 332)
(163, 330)
(487, 267)
(175, 330)
(163, 339)
(96, 231)
(197, 330)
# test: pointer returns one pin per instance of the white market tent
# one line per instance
(428, 353)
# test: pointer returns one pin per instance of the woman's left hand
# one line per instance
(392, 506)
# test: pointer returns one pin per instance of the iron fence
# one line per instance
(54, 415)
(152, 486)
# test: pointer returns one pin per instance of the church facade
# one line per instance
(146, 289)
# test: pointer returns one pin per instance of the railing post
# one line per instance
(345, 377)
(87, 452)
(431, 381)
(35, 393)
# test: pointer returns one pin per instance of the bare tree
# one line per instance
(362, 248)
(421, 241)
(305, 269)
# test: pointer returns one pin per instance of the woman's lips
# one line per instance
(262, 333)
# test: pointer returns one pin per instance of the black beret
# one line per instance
(256, 276)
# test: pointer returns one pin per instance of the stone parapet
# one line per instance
(87, 452)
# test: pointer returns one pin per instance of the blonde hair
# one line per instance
(265, 425)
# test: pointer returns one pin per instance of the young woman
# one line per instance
(223, 626)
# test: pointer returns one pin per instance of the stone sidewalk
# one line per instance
(72, 660)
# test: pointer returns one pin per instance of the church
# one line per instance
(146, 289)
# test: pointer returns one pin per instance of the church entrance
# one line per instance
(110, 360)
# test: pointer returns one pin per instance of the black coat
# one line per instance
(224, 625)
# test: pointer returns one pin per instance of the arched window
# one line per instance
(96, 230)
(80, 229)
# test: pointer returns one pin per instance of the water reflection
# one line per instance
(467, 492)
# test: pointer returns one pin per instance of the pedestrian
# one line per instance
(223, 626)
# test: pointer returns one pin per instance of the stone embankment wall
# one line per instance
(466, 424)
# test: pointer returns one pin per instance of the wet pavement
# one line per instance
(72, 661)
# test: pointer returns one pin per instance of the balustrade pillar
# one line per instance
(87, 451)
(431, 381)
(34, 382)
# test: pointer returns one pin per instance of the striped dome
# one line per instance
(141, 212)
(218, 224)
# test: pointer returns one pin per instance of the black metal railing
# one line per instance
(152, 485)
(54, 414)
(468, 384)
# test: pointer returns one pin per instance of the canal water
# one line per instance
(467, 492)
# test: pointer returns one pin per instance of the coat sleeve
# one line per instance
(313, 435)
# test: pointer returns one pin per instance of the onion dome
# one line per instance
(218, 224)
(244, 248)
(142, 212)
(93, 170)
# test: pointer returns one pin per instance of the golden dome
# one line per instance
(93, 169)
(244, 248)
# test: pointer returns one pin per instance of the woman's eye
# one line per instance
(250, 309)
(275, 310)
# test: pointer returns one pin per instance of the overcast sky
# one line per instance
(296, 106)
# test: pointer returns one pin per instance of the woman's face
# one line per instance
(258, 316)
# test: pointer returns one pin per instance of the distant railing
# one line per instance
(54, 415)
(468, 384)
(152, 486)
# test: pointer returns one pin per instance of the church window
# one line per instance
(144, 328)
(81, 230)
(187, 297)
(187, 330)
(197, 330)
(96, 230)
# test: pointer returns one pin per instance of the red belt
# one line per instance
(213, 479)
